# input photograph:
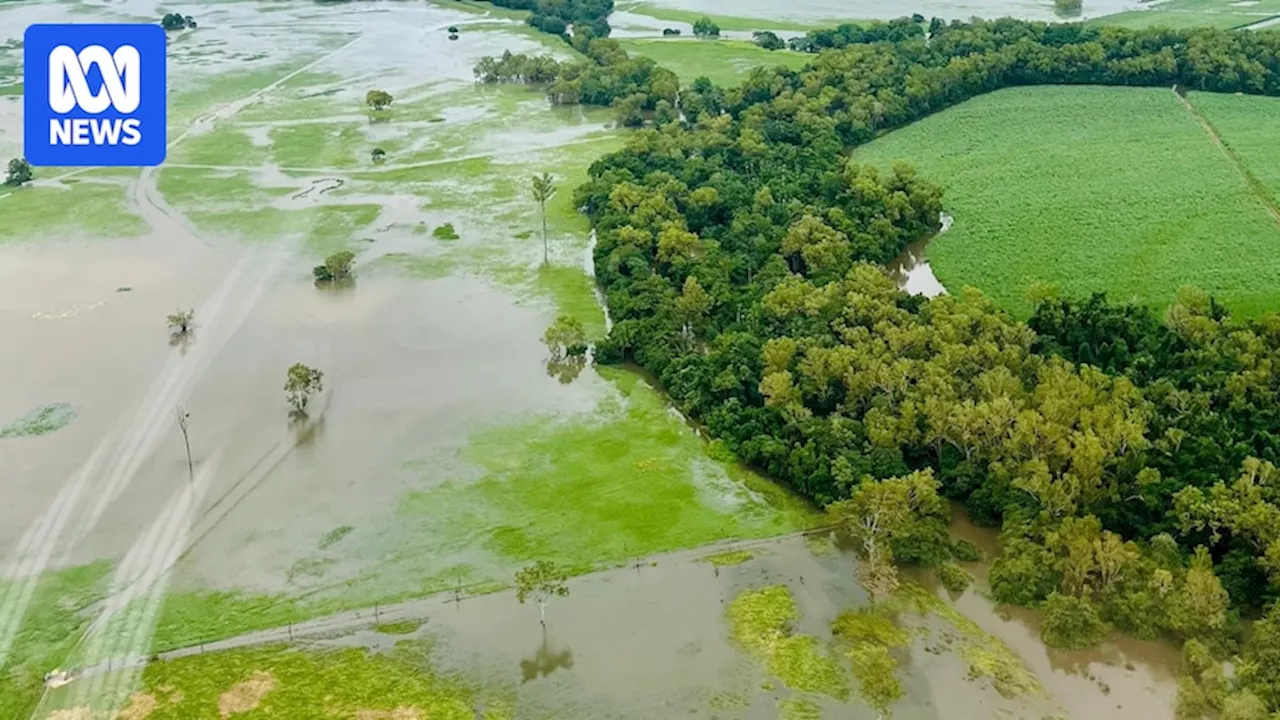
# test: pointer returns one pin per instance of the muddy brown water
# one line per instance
(1122, 678)
(911, 270)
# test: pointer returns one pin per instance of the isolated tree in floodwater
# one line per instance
(566, 337)
(19, 172)
(543, 189)
(378, 155)
(541, 581)
(301, 384)
(378, 99)
(181, 322)
(336, 267)
(705, 27)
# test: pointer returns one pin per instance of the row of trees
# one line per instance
(1129, 458)
(587, 18)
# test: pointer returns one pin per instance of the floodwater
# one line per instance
(818, 10)
(911, 269)
(412, 368)
(1122, 678)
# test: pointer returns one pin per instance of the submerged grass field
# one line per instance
(725, 62)
(1091, 189)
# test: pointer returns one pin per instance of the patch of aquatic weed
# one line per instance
(869, 636)
(402, 627)
(733, 557)
(799, 708)
(820, 545)
(351, 683)
(335, 536)
(762, 621)
(40, 421)
(986, 655)
(54, 619)
(584, 490)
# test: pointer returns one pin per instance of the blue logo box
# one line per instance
(94, 95)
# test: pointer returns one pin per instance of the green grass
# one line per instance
(726, 22)
(40, 421)
(725, 62)
(1089, 189)
(1225, 14)
(46, 636)
(573, 293)
(629, 480)
(225, 144)
(324, 229)
(320, 145)
(96, 210)
(1250, 126)
(288, 683)
(190, 618)
(762, 622)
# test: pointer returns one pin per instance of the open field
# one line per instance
(806, 14)
(1196, 13)
(1091, 189)
(726, 62)
(1248, 126)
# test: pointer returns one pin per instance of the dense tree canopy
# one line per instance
(587, 18)
(1130, 458)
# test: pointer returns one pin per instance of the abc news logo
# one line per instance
(69, 89)
(94, 95)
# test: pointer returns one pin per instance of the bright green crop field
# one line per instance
(1248, 125)
(1096, 189)
(725, 62)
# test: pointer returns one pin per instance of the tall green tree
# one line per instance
(541, 581)
(544, 188)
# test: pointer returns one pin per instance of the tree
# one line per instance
(300, 384)
(881, 511)
(566, 337)
(182, 416)
(768, 40)
(19, 172)
(543, 190)
(378, 155)
(378, 99)
(180, 322)
(176, 21)
(705, 28)
(336, 267)
(541, 581)
(1071, 623)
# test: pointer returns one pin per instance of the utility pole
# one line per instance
(186, 441)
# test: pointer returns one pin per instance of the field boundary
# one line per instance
(1259, 190)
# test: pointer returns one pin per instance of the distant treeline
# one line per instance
(587, 18)
(1130, 458)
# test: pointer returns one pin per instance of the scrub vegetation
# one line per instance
(40, 421)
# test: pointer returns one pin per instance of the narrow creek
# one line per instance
(911, 269)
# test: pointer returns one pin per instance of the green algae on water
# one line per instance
(762, 622)
(40, 421)
(401, 627)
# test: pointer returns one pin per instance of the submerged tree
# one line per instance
(378, 155)
(378, 99)
(543, 189)
(19, 172)
(768, 40)
(180, 322)
(301, 384)
(541, 581)
(336, 267)
(566, 337)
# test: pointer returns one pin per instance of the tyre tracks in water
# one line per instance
(1259, 190)
(123, 623)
